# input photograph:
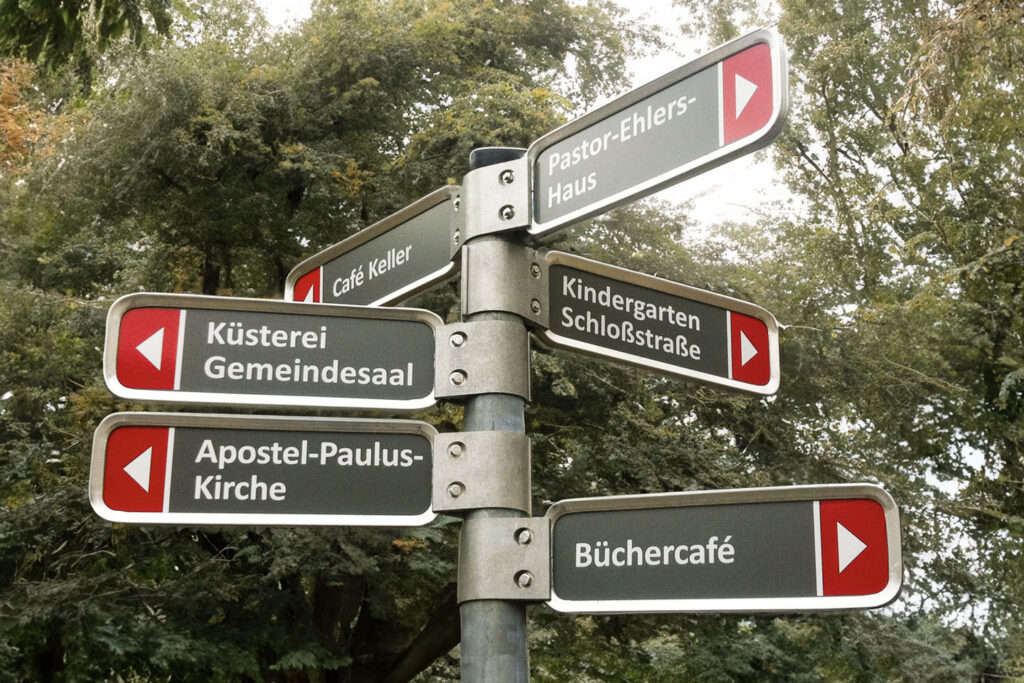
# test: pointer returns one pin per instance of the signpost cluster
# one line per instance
(337, 342)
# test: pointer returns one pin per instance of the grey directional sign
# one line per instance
(664, 326)
(390, 261)
(727, 103)
(744, 550)
(176, 468)
(204, 349)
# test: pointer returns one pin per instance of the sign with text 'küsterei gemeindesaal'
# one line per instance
(224, 350)
(794, 548)
(727, 103)
(665, 326)
(177, 468)
(389, 261)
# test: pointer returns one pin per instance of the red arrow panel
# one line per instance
(860, 544)
(308, 282)
(128, 461)
(147, 348)
(746, 92)
(750, 349)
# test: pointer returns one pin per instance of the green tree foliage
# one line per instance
(55, 33)
(214, 164)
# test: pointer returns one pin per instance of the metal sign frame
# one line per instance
(773, 494)
(186, 302)
(745, 145)
(449, 193)
(249, 422)
(632, 277)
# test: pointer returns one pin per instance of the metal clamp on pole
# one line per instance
(499, 275)
(505, 558)
(495, 199)
(481, 469)
(473, 358)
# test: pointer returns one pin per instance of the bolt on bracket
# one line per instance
(495, 199)
(498, 275)
(505, 558)
(475, 470)
(473, 358)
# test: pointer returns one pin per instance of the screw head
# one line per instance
(535, 305)
(456, 489)
(535, 270)
(456, 449)
(457, 339)
(507, 212)
(457, 378)
(524, 536)
(507, 176)
(524, 579)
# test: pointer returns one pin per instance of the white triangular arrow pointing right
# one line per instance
(138, 469)
(849, 546)
(153, 348)
(744, 91)
(747, 350)
(309, 296)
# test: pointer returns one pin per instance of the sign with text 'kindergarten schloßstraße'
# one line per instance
(177, 468)
(654, 323)
(727, 103)
(224, 350)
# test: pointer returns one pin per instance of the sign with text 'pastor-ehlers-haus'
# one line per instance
(727, 103)
(224, 350)
(177, 468)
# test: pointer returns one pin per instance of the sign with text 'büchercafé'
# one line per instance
(391, 260)
(223, 350)
(727, 103)
(176, 468)
(665, 326)
(743, 550)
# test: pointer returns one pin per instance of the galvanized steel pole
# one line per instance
(494, 640)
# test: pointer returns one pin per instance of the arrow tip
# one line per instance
(744, 91)
(850, 547)
(747, 349)
(138, 469)
(152, 349)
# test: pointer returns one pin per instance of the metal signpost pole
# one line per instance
(494, 644)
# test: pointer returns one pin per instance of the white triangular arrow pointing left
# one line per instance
(138, 469)
(747, 349)
(849, 546)
(744, 91)
(153, 348)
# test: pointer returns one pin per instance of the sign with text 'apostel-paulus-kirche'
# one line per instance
(661, 325)
(727, 103)
(744, 550)
(224, 350)
(389, 261)
(177, 468)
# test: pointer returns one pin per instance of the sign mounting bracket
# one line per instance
(473, 470)
(495, 199)
(505, 558)
(465, 365)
